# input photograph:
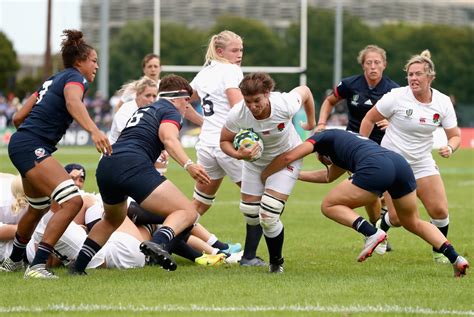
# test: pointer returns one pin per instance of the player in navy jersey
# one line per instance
(374, 170)
(361, 93)
(130, 171)
(41, 123)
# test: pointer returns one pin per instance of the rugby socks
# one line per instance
(88, 250)
(443, 226)
(385, 223)
(448, 250)
(19, 248)
(163, 235)
(181, 248)
(362, 226)
(252, 239)
(215, 243)
(140, 216)
(42, 254)
(275, 246)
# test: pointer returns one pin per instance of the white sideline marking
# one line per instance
(193, 308)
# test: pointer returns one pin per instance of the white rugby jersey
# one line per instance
(277, 131)
(211, 83)
(412, 123)
(121, 118)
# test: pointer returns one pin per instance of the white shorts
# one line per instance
(218, 164)
(425, 168)
(122, 251)
(281, 182)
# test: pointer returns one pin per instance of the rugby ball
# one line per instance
(247, 138)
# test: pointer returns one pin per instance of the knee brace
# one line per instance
(65, 191)
(39, 203)
(271, 209)
(203, 198)
(250, 211)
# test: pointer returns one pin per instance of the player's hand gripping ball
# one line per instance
(248, 138)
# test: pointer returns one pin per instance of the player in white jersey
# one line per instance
(269, 114)
(414, 113)
(217, 87)
(13, 205)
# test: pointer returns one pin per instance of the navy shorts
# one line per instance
(386, 171)
(120, 176)
(26, 150)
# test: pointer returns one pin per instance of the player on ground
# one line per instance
(374, 170)
(269, 114)
(44, 120)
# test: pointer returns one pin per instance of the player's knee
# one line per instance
(250, 210)
(203, 201)
(438, 212)
(271, 209)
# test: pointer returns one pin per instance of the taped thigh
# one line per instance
(250, 211)
(203, 198)
(65, 191)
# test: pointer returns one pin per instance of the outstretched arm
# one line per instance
(282, 160)
(308, 106)
(371, 118)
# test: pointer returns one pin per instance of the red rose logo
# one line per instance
(436, 118)
(281, 126)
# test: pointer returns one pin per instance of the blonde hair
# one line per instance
(220, 40)
(19, 198)
(137, 86)
(371, 48)
(423, 58)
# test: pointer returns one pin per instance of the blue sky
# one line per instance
(24, 23)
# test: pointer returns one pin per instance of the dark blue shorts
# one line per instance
(120, 176)
(386, 171)
(26, 150)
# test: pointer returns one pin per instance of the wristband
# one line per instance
(451, 150)
(188, 162)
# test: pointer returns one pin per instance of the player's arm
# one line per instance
(25, 110)
(77, 109)
(454, 140)
(234, 96)
(169, 136)
(323, 175)
(308, 106)
(371, 118)
(326, 108)
(284, 159)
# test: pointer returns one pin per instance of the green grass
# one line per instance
(322, 276)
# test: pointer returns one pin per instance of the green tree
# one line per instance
(8, 63)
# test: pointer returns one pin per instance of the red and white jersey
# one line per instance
(277, 131)
(412, 123)
(211, 84)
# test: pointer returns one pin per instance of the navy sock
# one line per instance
(42, 254)
(219, 245)
(88, 250)
(163, 236)
(444, 231)
(275, 247)
(19, 248)
(448, 250)
(252, 239)
(362, 226)
(182, 249)
(383, 224)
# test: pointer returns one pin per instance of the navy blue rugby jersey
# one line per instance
(140, 135)
(360, 99)
(49, 117)
(345, 148)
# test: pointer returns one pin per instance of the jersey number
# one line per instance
(133, 121)
(43, 90)
(207, 106)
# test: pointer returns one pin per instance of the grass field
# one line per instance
(322, 276)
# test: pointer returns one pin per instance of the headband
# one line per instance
(174, 94)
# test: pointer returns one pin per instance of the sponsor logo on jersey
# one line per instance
(436, 118)
(290, 168)
(368, 102)
(40, 152)
(422, 120)
(266, 132)
(281, 126)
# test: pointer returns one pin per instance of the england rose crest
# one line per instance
(436, 118)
